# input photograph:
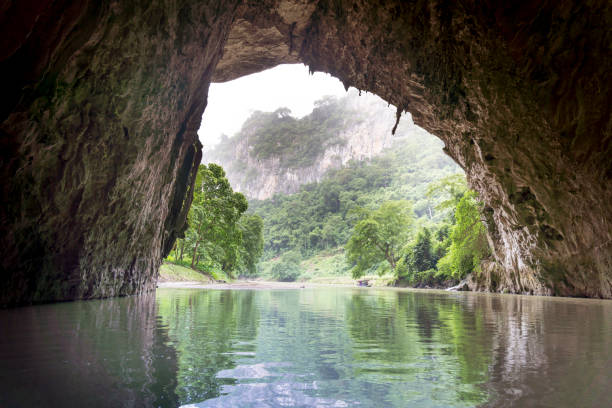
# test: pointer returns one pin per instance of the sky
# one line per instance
(231, 103)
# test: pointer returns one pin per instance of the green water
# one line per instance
(323, 347)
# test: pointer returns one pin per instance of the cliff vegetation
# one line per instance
(406, 214)
(275, 152)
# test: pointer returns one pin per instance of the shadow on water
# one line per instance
(314, 347)
(98, 353)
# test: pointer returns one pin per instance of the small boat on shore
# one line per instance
(364, 282)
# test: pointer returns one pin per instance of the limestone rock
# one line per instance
(359, 140)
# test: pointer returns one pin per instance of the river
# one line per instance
(323, 347)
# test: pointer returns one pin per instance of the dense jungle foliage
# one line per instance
(406, 213)
(221, 240)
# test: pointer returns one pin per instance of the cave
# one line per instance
(102, 102)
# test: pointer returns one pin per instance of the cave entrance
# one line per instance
(309, 154)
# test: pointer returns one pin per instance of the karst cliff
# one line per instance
(354, 127)
(102, 100)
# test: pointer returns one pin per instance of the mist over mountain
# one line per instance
(275, 152)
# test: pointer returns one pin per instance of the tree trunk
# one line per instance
(182, 248)
(195, 251)
(390, 258)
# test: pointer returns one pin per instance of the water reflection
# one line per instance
(210, 331)
(97, 354)
(336, 347)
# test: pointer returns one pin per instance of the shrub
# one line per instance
(285, 271)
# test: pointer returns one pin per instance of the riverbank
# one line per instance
(273, 285)
(177, 276)
(172, 273)
(248, 284)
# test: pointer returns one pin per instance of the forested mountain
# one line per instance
(344, 197)
(275, 152)
(320, 217)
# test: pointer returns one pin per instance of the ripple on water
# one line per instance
(313, 347)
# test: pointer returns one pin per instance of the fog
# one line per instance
(230, 103)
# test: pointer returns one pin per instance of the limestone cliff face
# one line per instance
(362, 137)
(102, 100)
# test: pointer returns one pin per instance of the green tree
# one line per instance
(213, 234)
(469, 243)
(420, 256)
(288, 269)
(442, 241)
(448, 191)
(251, 227)
(379, 236)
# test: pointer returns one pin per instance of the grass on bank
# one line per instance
(330, 267)
(375, 280)
(170, 272)
(216, 274)
(326, 264)
(326, 267)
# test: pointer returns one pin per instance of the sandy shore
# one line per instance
(247, 285)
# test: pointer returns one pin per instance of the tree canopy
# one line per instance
(469, 244)
(379, 236)
(217, 237)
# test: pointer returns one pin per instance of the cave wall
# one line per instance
(99, 143)
(520, 95)
(103, 100)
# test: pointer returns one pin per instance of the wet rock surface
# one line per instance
(103, 100)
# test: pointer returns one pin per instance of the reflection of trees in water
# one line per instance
(206, 328)
(94, 353)
(299, 334)
(509, 350)
(400, 347)
(419, 353)
(382, 348)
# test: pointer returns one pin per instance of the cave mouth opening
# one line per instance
(291, 86)
(286, 131)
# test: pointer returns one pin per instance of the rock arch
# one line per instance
(103, 100)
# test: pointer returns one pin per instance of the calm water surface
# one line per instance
(323, 347)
